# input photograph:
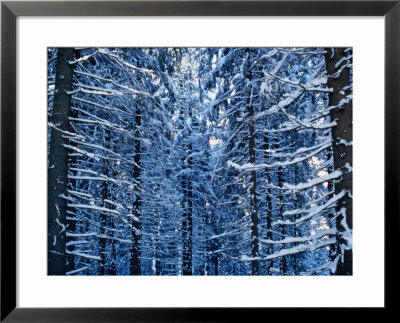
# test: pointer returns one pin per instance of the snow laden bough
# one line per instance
(200, 161)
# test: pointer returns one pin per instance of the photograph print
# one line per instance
(200, 161)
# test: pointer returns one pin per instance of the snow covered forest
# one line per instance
(200, 161)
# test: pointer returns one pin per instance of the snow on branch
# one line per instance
(121, 61)
(250, 167)
(93, 207)
(85, 153)
(114, 109)
(311, 85)
(101, 178)
(81, 235)
(79, 194)
(82, 59)
(330, 265)
(109, 151)
(72, 272)
(307, 124)
(302, 51)
(317, 235)
(86, 90)
(99, 121)
(337, 74)
(123, 87)
(83, 255)
(314, 182)
(223, 234)
(291, 251)
(87, 171)
(313, 212)
(300, 150)
(69, 134)
(290, 98)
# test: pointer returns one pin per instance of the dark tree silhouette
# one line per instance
(58, 164)
(337, 61)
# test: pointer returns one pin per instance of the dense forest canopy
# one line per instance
(199, 161)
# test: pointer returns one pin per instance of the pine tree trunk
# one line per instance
(111, 173)
(215, 260)
(283, 264)
(188, 215)
(58, 165)
(342, 135)
(184, 223)
(135, 253)
(269, 204)
(189, 255)
(103, 224)
(253, 175)
(71, 212)
(296, 205)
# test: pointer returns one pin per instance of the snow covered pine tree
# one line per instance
(200, 161)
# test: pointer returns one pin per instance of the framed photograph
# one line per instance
(165, 160)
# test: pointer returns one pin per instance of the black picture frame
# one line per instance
(10, 10)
